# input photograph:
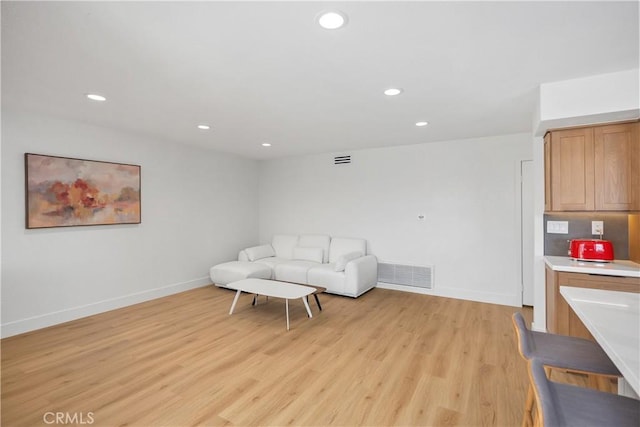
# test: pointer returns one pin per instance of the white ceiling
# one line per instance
(266, 72)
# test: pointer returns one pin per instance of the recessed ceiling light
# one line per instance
(266, 144)
(204, 127)
(96, 97)
(393, 91)
(332, 20)
(422, 123)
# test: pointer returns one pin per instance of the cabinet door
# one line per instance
(616, 168)
(547, 172)
(572, 170)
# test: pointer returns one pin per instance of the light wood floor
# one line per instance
(386, 358)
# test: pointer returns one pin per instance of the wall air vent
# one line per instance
(407, 275)
(341, 160)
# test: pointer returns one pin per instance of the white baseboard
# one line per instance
(625, 389)
(465, 294)
(44, 320)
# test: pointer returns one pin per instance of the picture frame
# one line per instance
(70, 192)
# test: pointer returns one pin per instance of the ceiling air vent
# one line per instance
(341, 160)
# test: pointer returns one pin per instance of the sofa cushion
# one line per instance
(342, 245)
(259, 252)
(293, 271)
(228, 272)
(316, 241)
(325, 275)
(308, 254)
(271, 262)
(283, 244)
(342, 261)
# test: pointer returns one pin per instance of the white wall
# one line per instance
(198, 208)
(595, 99)
(467, 190)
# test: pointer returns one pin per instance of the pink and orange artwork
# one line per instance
(66, 192)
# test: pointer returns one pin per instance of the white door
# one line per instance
(526, 216)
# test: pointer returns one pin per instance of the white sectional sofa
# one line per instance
(339, 264)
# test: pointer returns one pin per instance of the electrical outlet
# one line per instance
(597, 227)
(558, 227)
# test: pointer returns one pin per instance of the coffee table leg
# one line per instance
(235, 300)
(286, 304)
(306, 305)
(317, 301)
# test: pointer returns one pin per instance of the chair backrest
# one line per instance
(523, 335)
(545, 396)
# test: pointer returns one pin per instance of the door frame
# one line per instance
(519, 256)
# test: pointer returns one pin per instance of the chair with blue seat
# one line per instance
(562, 405)
(562, 352)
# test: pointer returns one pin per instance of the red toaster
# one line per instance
(591, 250)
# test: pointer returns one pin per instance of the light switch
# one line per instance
(558, 227)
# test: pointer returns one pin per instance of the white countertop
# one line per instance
(617, 268)
(613, 318)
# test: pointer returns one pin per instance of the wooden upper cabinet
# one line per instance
(547, 172)
(572, 170)
(593, 168)
(616, 167)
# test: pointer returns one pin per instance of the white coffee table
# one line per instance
(272, 288)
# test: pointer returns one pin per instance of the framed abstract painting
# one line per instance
(67, 192)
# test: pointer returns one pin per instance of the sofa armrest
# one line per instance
(242, 256)
(361, 274)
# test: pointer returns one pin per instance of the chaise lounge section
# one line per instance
(339, 264)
